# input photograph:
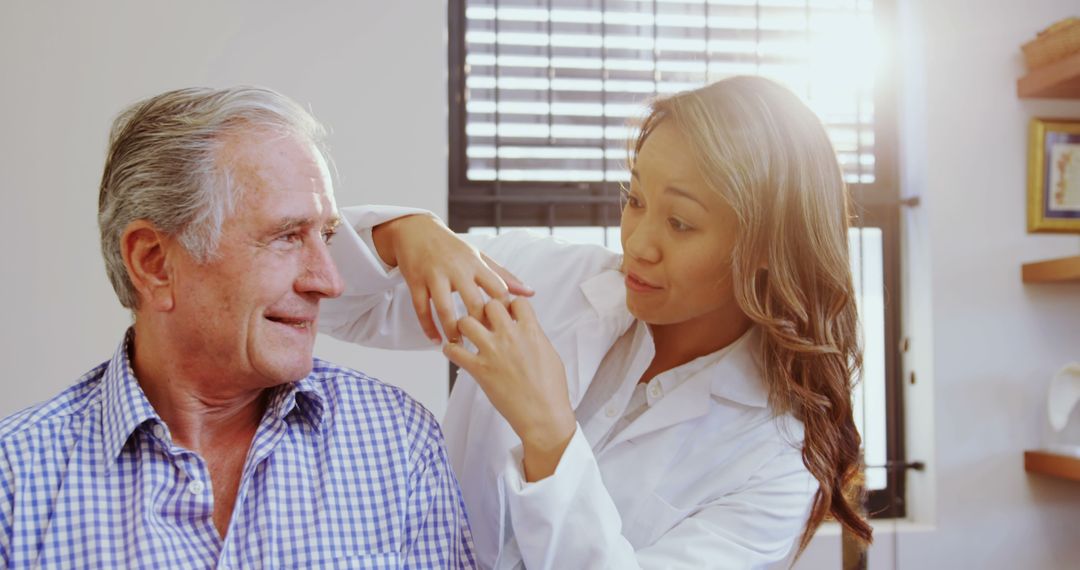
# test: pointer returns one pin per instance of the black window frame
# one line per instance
(515, 203)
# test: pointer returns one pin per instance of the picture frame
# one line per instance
(1054, 176)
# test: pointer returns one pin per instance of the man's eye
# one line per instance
(289, 240)
(328, 236)
(679, 226)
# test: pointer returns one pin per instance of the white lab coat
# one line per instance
(706, 478)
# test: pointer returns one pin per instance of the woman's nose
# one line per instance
(641, 244)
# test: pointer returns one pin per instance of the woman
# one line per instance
(684, 405)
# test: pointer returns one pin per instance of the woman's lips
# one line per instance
(635, 283)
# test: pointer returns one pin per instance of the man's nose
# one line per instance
(321, 276)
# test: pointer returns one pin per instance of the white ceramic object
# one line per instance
(1063, 395)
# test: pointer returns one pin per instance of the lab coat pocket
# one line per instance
(655, 517)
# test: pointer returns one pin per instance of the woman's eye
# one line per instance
(629, 200)
(678, 225)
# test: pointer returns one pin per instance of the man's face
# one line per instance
(248, 316)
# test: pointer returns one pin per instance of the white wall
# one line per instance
(984, 344)
(373, 71)
(983, 350)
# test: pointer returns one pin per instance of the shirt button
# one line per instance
(611, 412)
(159, 431)
(655, 391)
(196, 487)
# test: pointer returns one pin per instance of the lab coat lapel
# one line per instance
(596, 330)
(735, 376)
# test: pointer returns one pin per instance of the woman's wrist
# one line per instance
(543, 448)
(382, 236)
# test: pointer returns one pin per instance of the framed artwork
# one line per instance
(1054, 176)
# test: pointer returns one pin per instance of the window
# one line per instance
(543, 95)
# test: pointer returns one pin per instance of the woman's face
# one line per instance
(677, 237)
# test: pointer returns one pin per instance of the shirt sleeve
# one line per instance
(7, 502)
(569, 519)
(437, 533)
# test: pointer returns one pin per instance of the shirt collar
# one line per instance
(731, 373)
(606, 292)
(737, 375)
(124, 404)
(125, 407)
(304, 397)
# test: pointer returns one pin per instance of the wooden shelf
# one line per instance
(1059, 80)
(1053, 464)
(1052, 270)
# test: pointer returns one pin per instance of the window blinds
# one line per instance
(553, 88)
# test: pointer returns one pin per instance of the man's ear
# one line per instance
(145, 250)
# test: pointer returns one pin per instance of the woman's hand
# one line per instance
(435, 263)
(523, 376)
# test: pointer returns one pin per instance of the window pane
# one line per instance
(869, 394)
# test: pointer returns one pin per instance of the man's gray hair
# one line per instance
(163, 167)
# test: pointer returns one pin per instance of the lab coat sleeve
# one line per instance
(375, 308)
(569, 520)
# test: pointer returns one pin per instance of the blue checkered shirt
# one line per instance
(343, 472)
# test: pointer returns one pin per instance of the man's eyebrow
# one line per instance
(292, 222)
(684, 194)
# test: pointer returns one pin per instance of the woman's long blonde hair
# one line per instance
(769, 157)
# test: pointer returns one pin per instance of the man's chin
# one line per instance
(278, 373)
(281, 354)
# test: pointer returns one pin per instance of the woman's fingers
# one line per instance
(522, 311)
(422, 307)
(476, 333)
(471, 296)
(499, 282)
(443, 299)
(497, 316)
(458, 354)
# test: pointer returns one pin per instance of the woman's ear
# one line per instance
(145, 253)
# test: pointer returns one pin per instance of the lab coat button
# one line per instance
(611, 412)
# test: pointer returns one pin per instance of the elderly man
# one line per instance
(211, 438)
